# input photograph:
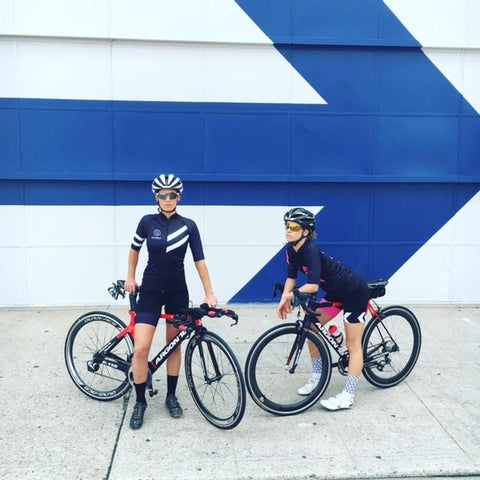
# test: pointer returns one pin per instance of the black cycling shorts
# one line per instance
(149, 306)
(355, 304)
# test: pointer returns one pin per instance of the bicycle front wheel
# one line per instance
(215, 380)
(391, 347)
(99, 380)
(278, 365)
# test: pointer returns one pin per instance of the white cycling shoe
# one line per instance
(308, 388)
(340, 401)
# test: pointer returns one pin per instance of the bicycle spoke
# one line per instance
(393, 344)
(217, 395)
(86, 337)
(279, 364)
(107, 376)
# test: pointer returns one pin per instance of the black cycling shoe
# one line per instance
(136, 421)
(173, 406)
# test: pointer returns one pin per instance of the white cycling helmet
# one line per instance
(167, 181)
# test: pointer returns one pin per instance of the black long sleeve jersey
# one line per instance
(337, 280)
(167, 241)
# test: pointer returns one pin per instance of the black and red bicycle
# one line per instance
(279, 362)
(99, 352)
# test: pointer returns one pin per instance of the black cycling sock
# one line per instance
(171, 384)
(140, 391)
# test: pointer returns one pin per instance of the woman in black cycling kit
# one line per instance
(167, 235)
(340, 283)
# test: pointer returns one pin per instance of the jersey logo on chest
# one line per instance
(157, 234)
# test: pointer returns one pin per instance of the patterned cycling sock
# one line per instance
(140, 391)
(316, 368)
(172, 384)
(351, 384)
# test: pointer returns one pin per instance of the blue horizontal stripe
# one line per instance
(259, 178)
(238, 145)
(19, 192)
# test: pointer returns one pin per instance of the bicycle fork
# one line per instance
(297, 347)
(296, 351)
(218, 376)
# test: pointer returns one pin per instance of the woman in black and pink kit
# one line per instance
(167, 235)
(340, 283)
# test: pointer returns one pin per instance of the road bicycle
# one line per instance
(99, 352)
(278, 364)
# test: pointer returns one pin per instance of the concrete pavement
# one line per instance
(428, 426)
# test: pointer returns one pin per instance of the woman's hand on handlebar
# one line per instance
(131, 286)
(211, 300)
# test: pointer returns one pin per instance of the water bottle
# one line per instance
(336, 333)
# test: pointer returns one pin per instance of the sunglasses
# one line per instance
(168, 196)
(293, 227)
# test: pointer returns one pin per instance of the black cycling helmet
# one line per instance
(303, 217)
(167, 181)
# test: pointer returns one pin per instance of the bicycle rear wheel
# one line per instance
(391, 347)
(98, 380)
(270, 380)
(215, 380)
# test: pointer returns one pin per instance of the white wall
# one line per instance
(64, 255)
(446, 268)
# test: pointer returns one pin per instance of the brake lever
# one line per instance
(277, 287)
(220, 312)
(113, 291)
(234, 318)
(117, 290)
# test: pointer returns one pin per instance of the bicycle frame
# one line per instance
(104, 356)
(310, 320)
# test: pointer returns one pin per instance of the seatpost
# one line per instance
(133, 301)
(308, 320)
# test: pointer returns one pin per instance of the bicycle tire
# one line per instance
(270, 384)
(396, 342)
(221, 398)
(87, 335)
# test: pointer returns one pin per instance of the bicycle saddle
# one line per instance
(377, 288)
